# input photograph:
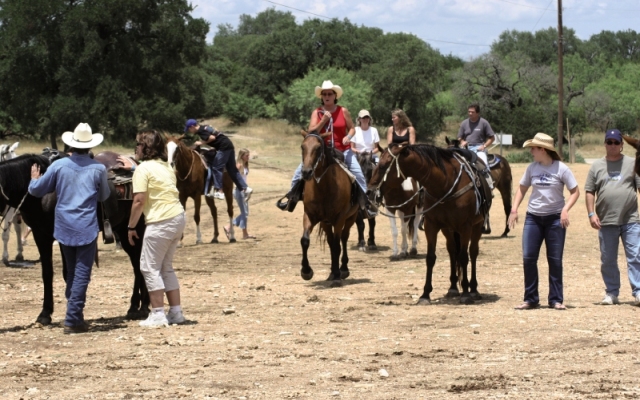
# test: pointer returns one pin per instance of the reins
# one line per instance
(193, 158)
(446, 197)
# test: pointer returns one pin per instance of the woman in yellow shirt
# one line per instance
(155, 194)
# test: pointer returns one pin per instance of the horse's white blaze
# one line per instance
(394, 234)
(171, 150)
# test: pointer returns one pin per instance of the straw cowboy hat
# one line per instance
(328, 85)
(541, 140)
(82, 137)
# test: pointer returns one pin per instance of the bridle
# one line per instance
(320, 158)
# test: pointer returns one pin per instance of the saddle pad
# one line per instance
(342, 165)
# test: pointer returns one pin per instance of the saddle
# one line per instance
(493, 160)
(481, 187)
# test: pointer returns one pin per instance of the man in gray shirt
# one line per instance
(476, 134)
(611, 186)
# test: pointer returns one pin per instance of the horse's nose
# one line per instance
(307, 173)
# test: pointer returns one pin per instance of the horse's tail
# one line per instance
(322, 238)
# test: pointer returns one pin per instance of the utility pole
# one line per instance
(560, 80)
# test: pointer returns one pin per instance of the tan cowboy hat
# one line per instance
(82, 137)
(364, 113)
(328, 85)
(541, 140)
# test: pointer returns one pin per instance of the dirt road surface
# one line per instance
(282, 337)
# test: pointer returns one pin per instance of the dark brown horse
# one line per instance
(402, 200)
(191, 174)
(327, 200)
(502, 180)
(367, 165)
(450, 207)
(636, 145)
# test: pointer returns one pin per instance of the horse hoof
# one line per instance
(424, 301)
(344, 274)
(394, 258)
(180, 245)
(413, 253)
(232, 240)
(452, 293)
(19, 257)
(330, 277)
(43, 320)
(403, 255)
(307, 276)
(336, 283)
(362, 249)
(476, 296)
(198, 241)
(5, 261)
(214, 240)
(466, 300)
(373, 247)
(504, 235)
(486, 231)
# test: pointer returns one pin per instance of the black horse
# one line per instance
(39, 214)
(367, 165)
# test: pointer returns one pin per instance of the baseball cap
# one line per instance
(613, 134)
(189, 124)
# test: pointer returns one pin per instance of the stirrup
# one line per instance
(289, 205)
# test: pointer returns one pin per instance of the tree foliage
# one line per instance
(103, 62)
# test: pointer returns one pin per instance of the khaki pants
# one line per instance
(158, 247)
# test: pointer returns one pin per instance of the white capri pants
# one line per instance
(158, 247)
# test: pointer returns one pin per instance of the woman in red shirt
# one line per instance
(330, 117)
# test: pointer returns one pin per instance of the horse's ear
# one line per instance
(446, 139)
(380, 149)
(633, 142)
(304, 133)
(181, 137)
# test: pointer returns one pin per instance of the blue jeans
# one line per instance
(226, 159)
(609, 239)
(481, 154)
(352, 163)
(241, 220)
(539, 228)
(79, 261)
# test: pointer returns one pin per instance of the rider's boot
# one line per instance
(487, 176)
(293, 196)
(364, 200)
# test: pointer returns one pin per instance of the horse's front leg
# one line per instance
(306, 271)
(17, 226)
(360, 226)
(453, 248)
(463, 260)
(404, 233)
(5, 240)
(344, 238)
(474, 250)
(334, 234)
(394, 236)
(197, 203)
(432, 239)
(414, 233)
(371, 242)
(139, 301)
(44, 242)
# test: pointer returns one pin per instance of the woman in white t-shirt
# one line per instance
(547, 218)
(366, 138)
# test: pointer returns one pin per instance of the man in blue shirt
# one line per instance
(79, 182)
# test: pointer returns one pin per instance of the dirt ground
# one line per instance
(282, 337)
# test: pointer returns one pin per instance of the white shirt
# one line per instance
(365, 140)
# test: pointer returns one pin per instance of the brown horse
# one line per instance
(191, 174)
(502, 180)
(367, 165)
(402, 199)
(327, 200)
(450, 207)
(636, 145)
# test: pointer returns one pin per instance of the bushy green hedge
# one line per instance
(525, 157)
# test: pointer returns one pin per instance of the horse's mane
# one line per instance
(436, 155)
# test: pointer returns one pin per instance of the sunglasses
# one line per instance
(612, 143)
(327, 93)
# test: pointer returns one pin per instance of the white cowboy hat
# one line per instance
(541, 140)
(82, 137)
(328, 85)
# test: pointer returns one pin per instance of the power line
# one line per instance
(427, 40)
(523, 5)
(541, 15)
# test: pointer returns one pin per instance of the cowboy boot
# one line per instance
(293, 196)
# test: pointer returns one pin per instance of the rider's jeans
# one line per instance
(481, 153)
(352, 163)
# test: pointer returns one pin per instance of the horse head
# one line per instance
(635, 143)
(365, 159)
(172, 146)
(313, 152)
(387, 158)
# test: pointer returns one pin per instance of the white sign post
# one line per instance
(504, 139)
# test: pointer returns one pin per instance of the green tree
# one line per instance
(541, 47)
(297, 103)
(116, 64)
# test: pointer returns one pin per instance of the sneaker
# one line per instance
(175, 317)
(155, 320)
(636, 301)
(247, 193)
(218, 195)
(610, 299)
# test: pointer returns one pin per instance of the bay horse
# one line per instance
(636, 145)
(10, 216)
(327, 201)
(39, 214)
(502, 180)
(365, 159)
(191, 174)
(450, 207)
(402, 198)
